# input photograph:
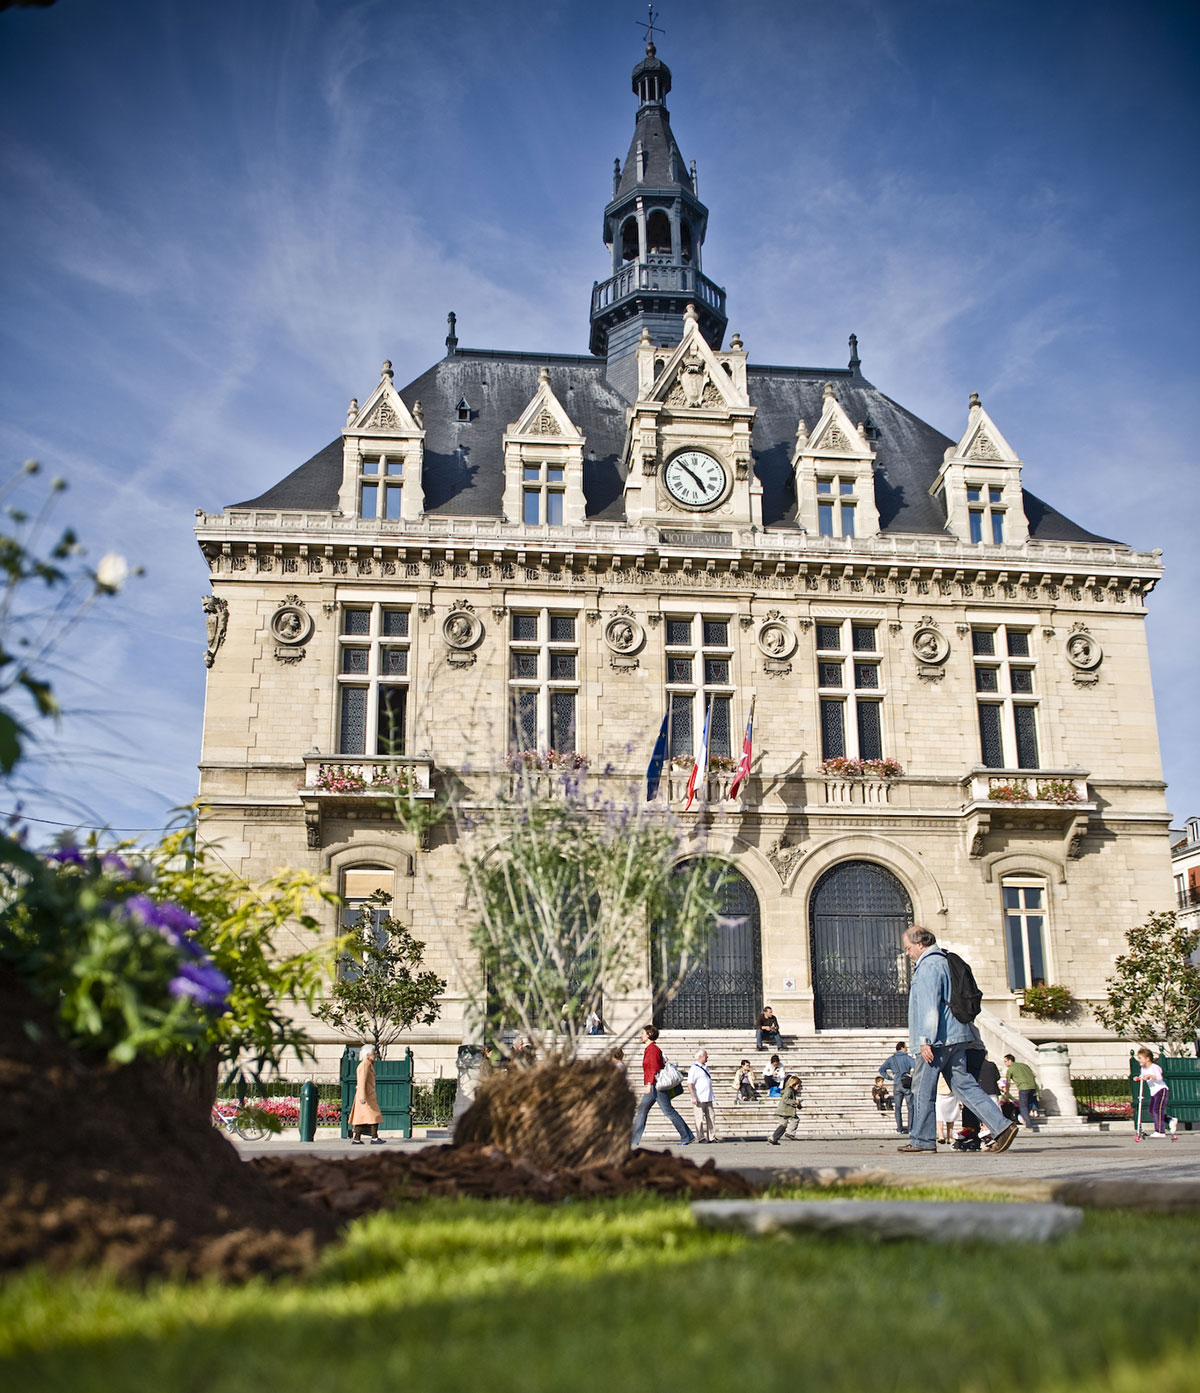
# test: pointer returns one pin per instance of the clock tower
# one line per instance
(689, 465)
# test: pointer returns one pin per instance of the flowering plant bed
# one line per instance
(845, 768)
(1060, 791)
(544, 761)
(1047, 1002)
(344, 779)
(287, 1110)
(721, 764)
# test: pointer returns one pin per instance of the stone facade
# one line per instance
(353, 631)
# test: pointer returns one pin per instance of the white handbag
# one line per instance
(668, 1077)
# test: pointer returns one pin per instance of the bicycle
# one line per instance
(239, 1124)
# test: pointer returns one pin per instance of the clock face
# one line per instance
(695, 479)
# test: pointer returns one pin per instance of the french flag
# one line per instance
(742, 772)
(700, 768)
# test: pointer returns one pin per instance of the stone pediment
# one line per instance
(694, 378)
(834, 434)
(383, 413)
(545, 417)
(981, 442)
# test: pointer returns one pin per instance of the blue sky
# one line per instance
(219, 218)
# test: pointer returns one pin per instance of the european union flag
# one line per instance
(657, 760)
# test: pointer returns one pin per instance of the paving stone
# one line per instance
(934, 1221)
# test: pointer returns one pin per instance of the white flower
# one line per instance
(111, 573)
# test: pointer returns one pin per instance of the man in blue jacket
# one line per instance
(940, 1040)
(894, 1068)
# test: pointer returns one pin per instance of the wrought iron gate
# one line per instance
(723, 991)
(857, 917)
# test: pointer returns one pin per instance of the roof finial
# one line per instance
(855, 361)
(827, 391)
(649, 28)
(451, 337)
(544, 375)
(616, 176)
(352, 411)
(974, 401)
(386, 370)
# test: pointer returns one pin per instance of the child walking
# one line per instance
(1152, 1074)
(788, 1108)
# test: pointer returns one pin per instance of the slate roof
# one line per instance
(464, 460)
(664, 164)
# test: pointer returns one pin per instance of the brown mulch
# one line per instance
(117, 1168)
(358, 1185)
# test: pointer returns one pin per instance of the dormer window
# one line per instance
(836, 506)
(463, 409)
(542, 492)
(985, 513)
(380, 487)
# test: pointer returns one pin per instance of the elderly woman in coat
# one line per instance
(366, 1115)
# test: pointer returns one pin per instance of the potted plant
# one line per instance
(1047, 1002)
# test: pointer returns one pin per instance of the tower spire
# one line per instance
(654, 228)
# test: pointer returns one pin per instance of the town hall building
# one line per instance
(546, 553)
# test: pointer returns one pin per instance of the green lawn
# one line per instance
(466, 1295)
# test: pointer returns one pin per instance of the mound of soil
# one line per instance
(555, 1116)
(116, 1167)
(353, 1186)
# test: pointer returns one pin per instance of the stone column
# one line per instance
(1053, 1071)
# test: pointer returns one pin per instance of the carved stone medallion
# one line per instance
(461, 629)
(1083, 652)
(776, 640)
(623, 634)
(291, 627)
(930, 645)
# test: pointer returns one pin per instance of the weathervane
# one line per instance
(649, 27)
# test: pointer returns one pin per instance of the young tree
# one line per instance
(1154, 994)
(564, 890)
(380, 994)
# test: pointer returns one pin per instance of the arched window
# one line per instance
(658, 233)
(685, 240)
(723, 991)
(857, 917)
(629, 240)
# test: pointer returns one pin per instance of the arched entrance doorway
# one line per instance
(857, 917)
(723, 991)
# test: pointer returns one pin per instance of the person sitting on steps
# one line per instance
(767, 1030)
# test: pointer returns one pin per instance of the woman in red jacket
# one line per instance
(652, 1062)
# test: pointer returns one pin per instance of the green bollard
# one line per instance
(308, 1111)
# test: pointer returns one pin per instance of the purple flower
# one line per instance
(68, 855)
(176, 925)
(113, 864)
(203, 983)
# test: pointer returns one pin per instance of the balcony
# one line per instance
(714, 790)
(863, 792)
(1032, 799)
(348, 782)
(665, 278)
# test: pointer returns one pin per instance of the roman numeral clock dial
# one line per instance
(695, 479)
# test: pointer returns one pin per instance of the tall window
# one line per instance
(699, 675)
(373, 680)
(542, 492)
(836, 504)
(850, 681)
(986, 513)
(543, 681)
(1025, 932)
(380, 487)
(1006, 691)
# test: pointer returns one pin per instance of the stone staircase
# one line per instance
(838, 1070)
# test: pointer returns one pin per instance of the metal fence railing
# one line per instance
(1103, 1098)
(433, 1102)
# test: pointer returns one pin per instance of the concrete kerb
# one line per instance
(1147, 1196)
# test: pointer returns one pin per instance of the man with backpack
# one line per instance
(943, 1000)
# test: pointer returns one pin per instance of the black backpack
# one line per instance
(966, 1000)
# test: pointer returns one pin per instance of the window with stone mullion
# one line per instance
(543, 681)
(1006, 681)
(372, 714)
(850, 686)
(699, 662)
